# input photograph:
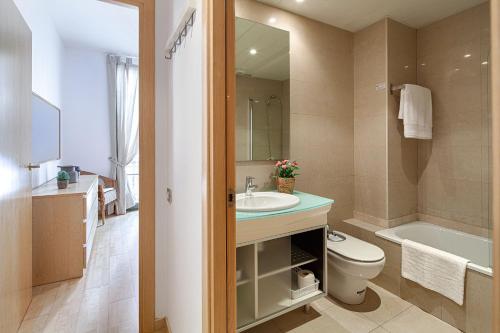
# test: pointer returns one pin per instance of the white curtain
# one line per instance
(124, 106)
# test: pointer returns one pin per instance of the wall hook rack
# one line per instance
(180, 34)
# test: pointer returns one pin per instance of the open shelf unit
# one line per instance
(268, 280)
(298, 258)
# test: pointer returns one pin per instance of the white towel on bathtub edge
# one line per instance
(434, 269)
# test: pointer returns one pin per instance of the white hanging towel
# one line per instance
(415, 108)
(434, 269)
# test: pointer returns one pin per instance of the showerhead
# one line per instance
(271, 98)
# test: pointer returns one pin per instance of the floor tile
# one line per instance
(415, 320)
(322, 304)
(349, 320)
(296, 318)
(389, 305)
(267, 327)
(380, 330)
(323, 324)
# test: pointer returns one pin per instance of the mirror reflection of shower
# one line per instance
(265, 121)
(262, 92)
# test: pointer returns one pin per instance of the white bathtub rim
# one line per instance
(388, 234)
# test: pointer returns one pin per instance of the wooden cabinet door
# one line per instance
(15, 179)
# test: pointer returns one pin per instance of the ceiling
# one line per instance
(97, 25)
(272, 46)
(354, 15)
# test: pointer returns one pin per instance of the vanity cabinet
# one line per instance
(271, 248)
(267, 283)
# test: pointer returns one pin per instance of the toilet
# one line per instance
(351, 263)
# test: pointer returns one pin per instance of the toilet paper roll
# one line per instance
(305, 278)
(239, 274)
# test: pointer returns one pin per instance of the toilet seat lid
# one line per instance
(356, 249)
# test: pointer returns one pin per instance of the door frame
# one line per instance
(219, 213)
(495, 105)
(219, 174)
(146, 9)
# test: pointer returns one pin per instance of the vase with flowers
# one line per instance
(286, 171)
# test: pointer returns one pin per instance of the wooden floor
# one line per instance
(105, 299)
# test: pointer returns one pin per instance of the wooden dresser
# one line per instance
(64, 223)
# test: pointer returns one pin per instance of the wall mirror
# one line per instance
(262, 92)
(45, 131)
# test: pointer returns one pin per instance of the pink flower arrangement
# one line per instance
(286, 169)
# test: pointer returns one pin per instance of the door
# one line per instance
(15, 179)
(495, 143)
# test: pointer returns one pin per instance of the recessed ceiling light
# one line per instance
(468, 55)
(253, 51)
(272, 20)
(484, 63)
(423, 64)
(299, 1)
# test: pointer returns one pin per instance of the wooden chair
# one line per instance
(107, 195)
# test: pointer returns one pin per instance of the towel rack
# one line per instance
(186, 22)
(396, 88)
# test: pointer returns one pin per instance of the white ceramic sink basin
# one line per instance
(265, 201)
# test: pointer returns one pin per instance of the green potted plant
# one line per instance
(62, 179)
(285, 175)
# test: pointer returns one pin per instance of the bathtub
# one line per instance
(474, 248)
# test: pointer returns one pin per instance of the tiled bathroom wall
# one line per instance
(445, 180)
(343, 121)
(321, 107)
(385, 163)
(454, 166)
(370, 121)
(402, 166)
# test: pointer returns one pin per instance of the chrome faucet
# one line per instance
(250, 186)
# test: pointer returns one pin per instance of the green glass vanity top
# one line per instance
(307, 202)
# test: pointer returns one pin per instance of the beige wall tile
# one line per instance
(402, 153)
(341, 126)
(370, 127)
(321, 108)
(453, 165)
(453, 314)
(389, 278)
(371, 196)
(479, 290)
(263, 173)
(425, 299)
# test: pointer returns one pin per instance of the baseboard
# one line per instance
(161, 325)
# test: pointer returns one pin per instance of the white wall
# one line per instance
(86, 138)
(179, 115)
(47, 63)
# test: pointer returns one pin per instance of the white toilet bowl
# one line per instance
(351, 263)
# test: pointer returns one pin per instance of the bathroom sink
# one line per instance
(265, 201)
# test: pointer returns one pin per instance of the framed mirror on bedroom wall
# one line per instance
(262, 92)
